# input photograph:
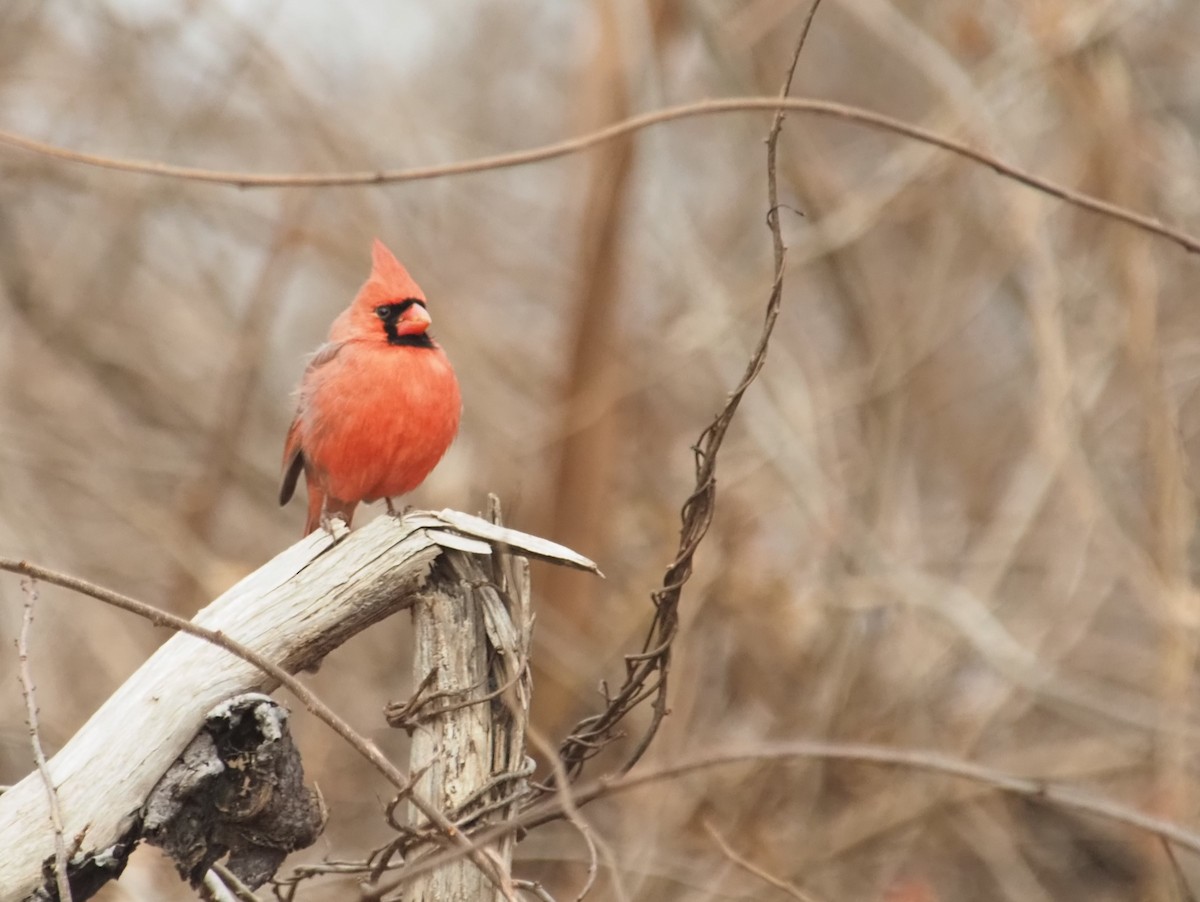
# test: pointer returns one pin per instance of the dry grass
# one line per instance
(957, 512)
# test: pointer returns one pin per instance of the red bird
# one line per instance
(379, 403)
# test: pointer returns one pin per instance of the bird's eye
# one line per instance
(383, 312)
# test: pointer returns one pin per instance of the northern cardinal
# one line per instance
(379, 402)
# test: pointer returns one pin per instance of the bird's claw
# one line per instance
(394, 511)
(335, 525)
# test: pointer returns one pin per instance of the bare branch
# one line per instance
(240, 891)
(575, 817)
(746, 865)
(535, 889)
(826, 108)
(1046, 791)
(25, 675)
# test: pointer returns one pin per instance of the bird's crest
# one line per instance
(388, 284)
(391, 274)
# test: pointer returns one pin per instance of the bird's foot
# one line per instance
(335, 524)
(395, 511)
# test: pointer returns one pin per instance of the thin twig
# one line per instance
(647, 674)
(409, 715)
(571, 810)
(234, 884)
(315, 706)
(401, 714)
(470, 809)
(213, 889)
(535, 889)
(25, 675)
(1182, 885)
(1061, 794)
(827, 108)
(746, 865)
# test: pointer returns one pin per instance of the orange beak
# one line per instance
(415, 320)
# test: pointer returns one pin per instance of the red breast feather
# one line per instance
(376, 419)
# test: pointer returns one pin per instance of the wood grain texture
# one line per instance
(473, 632)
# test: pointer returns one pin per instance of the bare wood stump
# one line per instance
(468, 718)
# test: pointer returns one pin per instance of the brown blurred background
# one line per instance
(957, 512)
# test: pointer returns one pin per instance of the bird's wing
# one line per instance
(293, 452)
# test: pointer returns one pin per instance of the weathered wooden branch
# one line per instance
(294, 611)
(473, 631)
